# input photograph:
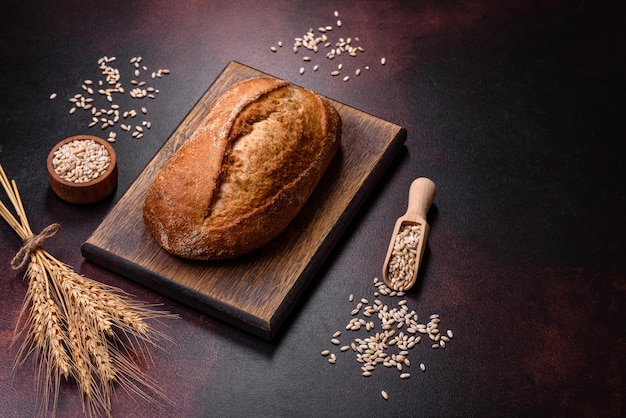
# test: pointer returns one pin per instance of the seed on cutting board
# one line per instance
(334, 341)
(422, 367)
(325, 352)
(384, 394)
(383, 61)
(53, 96)
(405, 375)
(336, 334)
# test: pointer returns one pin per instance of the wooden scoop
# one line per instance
(401, 267)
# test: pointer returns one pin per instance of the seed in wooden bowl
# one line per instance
(81, 161)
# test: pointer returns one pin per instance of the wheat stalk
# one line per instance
(76, 327)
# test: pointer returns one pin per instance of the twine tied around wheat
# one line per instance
(31, 243)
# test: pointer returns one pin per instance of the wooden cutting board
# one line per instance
(255, 292)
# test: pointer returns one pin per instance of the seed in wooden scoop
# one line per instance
(408, 240)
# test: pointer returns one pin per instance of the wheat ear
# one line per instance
(75, 327)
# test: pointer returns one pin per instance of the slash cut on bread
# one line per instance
(245, 173)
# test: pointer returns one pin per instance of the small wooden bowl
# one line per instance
(88, 192)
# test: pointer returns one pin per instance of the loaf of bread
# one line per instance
(245, 173)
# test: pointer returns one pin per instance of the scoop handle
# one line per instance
(421, 195)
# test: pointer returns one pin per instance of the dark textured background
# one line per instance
(515, 109)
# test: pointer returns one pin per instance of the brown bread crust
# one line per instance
(245, 173)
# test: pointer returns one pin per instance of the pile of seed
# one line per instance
(108, 115)
(81, 160)
(403, 256)
(315, 40)
(392, 332)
